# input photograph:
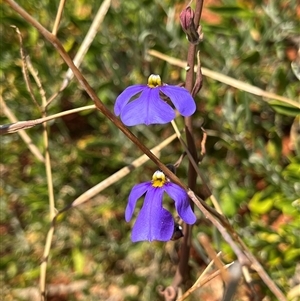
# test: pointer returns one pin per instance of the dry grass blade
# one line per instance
(206, 270)
(58, 16)
(47, 155)
(25, 66)
(42, 92)
(84, 46)
(26, 138)
(202, 280)
(227, 80)
(206, 244)
(22, 125)
(249, 281)
(103, 9)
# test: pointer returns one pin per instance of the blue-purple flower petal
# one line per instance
(182, 203)
(123, 99)
(181, 98)
(149, 108)
(153, 222)
(136, 192)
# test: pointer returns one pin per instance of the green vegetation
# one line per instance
(252, 161)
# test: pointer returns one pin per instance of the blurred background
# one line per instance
(252, 163)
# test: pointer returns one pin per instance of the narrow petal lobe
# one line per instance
(182, 203)
(153, 222)
(181, 98)
(123, 99)
(136, 192)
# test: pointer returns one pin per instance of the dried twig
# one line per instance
(203, 144)
(206, 270)
(199, 78)
(206, 244)
(202, 280)
(99, 104)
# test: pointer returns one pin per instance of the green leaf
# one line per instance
(292, 254)
(251, 57)
(286, 206)
(228, 206)
(262, 201)
(78, 260)
(284, 109)
(229, 10)
(292, 172)
(269, 237)
(295, 65)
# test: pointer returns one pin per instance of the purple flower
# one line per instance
(154, 222)
(149, 107)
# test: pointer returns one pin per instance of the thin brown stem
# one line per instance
(238, 252)
(206, 244)
(182, 268)
(262, 273)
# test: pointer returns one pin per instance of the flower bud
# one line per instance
(188, 26)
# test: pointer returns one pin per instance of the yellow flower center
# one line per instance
(158, 179)
(154, 81)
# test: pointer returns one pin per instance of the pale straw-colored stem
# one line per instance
(58, 16)
(228, 80)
